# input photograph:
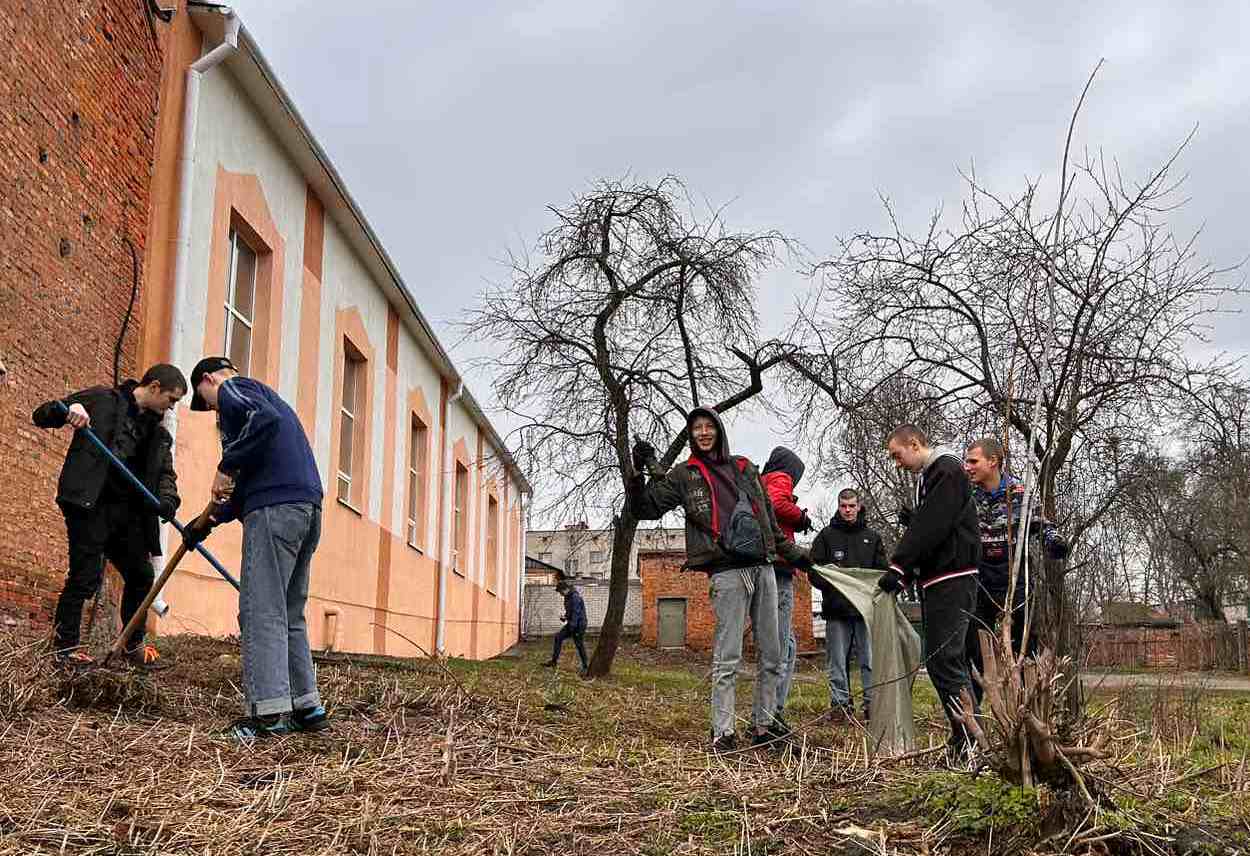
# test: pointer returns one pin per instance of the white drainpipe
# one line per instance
(186, 179)
(448, 527)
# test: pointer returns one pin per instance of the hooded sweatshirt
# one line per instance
(781, 475)
(850, 544)
(943, 540)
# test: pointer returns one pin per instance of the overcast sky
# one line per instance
(454, 124)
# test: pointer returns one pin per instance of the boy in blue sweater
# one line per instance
(268, 479)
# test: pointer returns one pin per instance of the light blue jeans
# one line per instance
(735, 593)
(842, 636)
(278, 546)
(785, 637)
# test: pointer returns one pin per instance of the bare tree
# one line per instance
(636, 307)
(1094, 308)
(1193, 503)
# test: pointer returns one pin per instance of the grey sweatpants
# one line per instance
(278, 546)
(735, 593)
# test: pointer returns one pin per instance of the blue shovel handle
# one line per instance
(156, 503)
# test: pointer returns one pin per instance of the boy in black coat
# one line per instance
(939, 550)
(846, 541)
(105, 516)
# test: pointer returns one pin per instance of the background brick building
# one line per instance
(682, 597)
(79, 86)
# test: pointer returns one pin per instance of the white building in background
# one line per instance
(580, 551)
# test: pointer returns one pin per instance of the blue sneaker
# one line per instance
(250, 728)
(310, 719)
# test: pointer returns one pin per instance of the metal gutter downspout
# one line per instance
(186, 179)
(444, 560)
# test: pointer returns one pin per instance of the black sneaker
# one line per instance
(725, 743)
(780, 729)
(767, 741)
(550, 664)
(250, 728)
(310, 719)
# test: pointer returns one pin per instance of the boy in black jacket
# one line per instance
(105, 516)
(940, 550)
(846, 541)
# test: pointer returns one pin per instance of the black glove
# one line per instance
(892, 581)
(803, 562)
(804, 524)
(195, 532)
(904, 517)
(644, 455)
(1057, 548)
(167, 509)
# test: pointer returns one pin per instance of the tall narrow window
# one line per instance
(240, 303)
(460, 518)
(349, 409)
(418, 438)
(492, 544)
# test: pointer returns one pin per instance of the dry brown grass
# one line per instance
(501, 757)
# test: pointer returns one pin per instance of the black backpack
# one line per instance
(743, 538)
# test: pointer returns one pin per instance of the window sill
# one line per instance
(350, 507)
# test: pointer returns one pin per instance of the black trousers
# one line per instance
(947, 608)
(579, 639)
(991, 596)
(113, 532)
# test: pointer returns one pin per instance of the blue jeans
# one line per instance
(842, 636)
(278, 546)
(785, 636)
(732, 599)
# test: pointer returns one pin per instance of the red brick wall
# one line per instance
(1189, 647)
(663, 577)
(78, 99)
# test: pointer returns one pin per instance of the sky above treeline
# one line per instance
(456, 124)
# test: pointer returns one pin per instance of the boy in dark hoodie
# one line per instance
(939, 550)
(731, 535)
(848, 542)
(105, 517)
(780, 477)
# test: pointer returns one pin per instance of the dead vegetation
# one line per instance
(505, 757)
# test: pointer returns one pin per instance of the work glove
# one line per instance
(804, 524)
(644, 455)
(195, 532)
(892, 581)
(1057, 547)
(166, 510)
(904, 517)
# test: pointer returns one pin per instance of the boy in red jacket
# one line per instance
(781, 475)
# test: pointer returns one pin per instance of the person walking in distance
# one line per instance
(780, 478)
(940, 550)
(846, 541)
(105, 516)
(574, 626)
(268, 479)
(731, 535)
(999, 499)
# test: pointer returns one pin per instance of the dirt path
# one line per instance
(1206, 680)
